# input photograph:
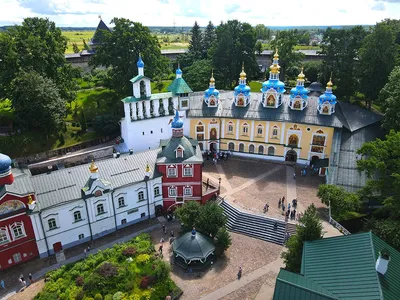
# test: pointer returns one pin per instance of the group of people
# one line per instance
(22, 280)
(292, 214)
(86, 251)
(216, 156)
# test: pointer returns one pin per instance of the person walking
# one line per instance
(30, 278)
(288, 206)
(85, 252)
(294, 175)
(172, 233)
(239, 275)
(2, 284)
(279, 202)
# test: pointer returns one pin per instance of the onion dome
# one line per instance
(178, 71)
(6, 176)
(93, 168)
(243, 73)
(327, 101)
(211, 95)
(177, 122)
(140, 63)
(298, 94)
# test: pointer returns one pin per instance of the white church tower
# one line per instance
(146, 119)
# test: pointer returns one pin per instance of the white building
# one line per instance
(147, 115)
(82, 203)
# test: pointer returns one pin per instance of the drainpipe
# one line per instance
(146, 179)
(87, 215)
(44, 233)
(115, 214)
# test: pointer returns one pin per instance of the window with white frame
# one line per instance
(52, 224)
(241, 147)
(179, 152)
(259, 129)
(245, 129)
(275, 131)
(251, 149)
(171, 171)
(100, 209)
(140, 196)
(17, 230)
(187, 191)
(156, 191)
(4, 237)
(77, 216)
(187, 170)
(261, 149)
(231, 146)
(230, 128)
(172, 191)
(121, 202)
(271, 151)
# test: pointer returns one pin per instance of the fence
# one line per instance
(338, 226)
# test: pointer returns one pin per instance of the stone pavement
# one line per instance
(75, 258)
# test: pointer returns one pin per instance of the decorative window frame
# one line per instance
(260, 126)
(172, 188)
(245, 129)
(275, 136)
(187, 167)
(172, 167)
(157, 188)
(80, 216)
(140, 196)
(186, 189)
(297, 132)
(234, 146)
(254, 149)
(258, 149)
(241, 144)
(97, 209)
(179, 152)
(230, 132)
(121, 200)
(4, 231)
(268, 150)
(51, 227)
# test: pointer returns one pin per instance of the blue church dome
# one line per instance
(299, 91)
(241, 88)
(5, 163)
(328, 96)
(140, 63)
(178, 71)
(177, 122)
(275, 84)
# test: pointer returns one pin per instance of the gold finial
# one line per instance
(301, 75)
(148, 169)
(212, 80)
(330, 84)
(93, 168)
(30, 199)
(243, 73)
(276, 55)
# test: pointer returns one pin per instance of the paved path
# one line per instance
(73, 259)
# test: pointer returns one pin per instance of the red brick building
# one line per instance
(180, 161)
(17, 237)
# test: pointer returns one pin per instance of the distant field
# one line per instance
(77, 37)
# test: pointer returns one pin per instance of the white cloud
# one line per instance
(185, 12)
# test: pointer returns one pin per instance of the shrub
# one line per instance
(79, 281)
(143, 258)
(130, 251)
(118, 296)
(98, 297)
(107, 270)
(147, 281)
(223, 239)
(80, 295)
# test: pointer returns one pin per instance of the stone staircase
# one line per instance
(291, 228)
(252, 225)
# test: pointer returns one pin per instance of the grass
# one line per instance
(6, 112)
(164, 90)
(77, 37)
(255, 86)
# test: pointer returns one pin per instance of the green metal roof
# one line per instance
(390, 283)
(343, 265)
(191, 151)
(297, 287)
(193, 247)
(131, 99)
(138, 77)
(179, 86)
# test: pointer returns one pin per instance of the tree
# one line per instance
(209, 37)
(305, 38)
(340, 49)
(83, 122)
(377, 59)
(258, 47)
(339, 200)
(309, 229)
(387, 229)
(235, 45)
(36, 45)
(390, 99)
(195, 44)
(262, 32)
(120, 50)
(159, 85)
(37, 102)
(75, 48)
(210, 219)
(188, 214)
(311, 70)
(198, 74)
(224, 240)
(381, 163)
(285, 42)
(85, 45)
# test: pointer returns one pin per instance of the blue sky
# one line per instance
(76, 13)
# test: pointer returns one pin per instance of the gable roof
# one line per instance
(354, 117)
(139, 77)
(290, 285)
(179, 86)
(191, 151)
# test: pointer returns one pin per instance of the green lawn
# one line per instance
(166, 84)
(77, 37)
(255, 86)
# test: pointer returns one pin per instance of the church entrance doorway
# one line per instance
(212, 147)
(291, 156)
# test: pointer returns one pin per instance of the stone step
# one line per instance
(291, 228)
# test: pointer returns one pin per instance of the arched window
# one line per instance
(77, 216)
(200, 127)
(52, 224)
(261, 149)
(141, 196)
(18, 230)
(172, 191)
(251, 149)
(230, 127)
(100, 209)
(241, 147)
(231, 146)
(121, 201)
(271, 151)
(259, 130)
(245, 129)
(142, 89)
(275, 131)
(156, 191)
(4, 237)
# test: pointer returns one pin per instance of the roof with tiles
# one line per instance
(342, 267)
(179, 86)
(191, 153)
(255, 111)
(65, 185)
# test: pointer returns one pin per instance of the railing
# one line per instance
(338, 226)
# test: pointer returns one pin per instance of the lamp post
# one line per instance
(146, 179)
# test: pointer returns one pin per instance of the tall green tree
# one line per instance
(36, 45)
(308, 229)
(340, 201)
(209, 38)
(210, 219)
(377, 57)
(188, 214)
(198, 74)
(75, 48)
(196, 41)
(235, 44)
(389, 97)
(262, 32)
(311, 70)
(120, 50)
(285, 42)
(37, 102)
(340, 49)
